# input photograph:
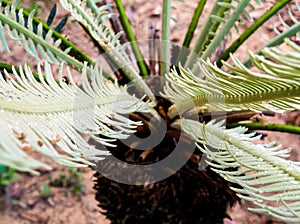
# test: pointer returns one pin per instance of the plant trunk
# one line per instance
(190, 195)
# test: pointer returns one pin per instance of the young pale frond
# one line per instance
(270, 182)
(277, 88)
(94, 19)
(51, 116)
(21, 30)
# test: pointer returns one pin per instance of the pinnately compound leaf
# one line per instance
(56, 118)
(269, 181)
(276, 87)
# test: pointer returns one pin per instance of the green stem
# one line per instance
(190, 32)
(226, 28)
(268, 127)
(7, 67)
(131, 38)
(202, 36)
(248, 32)
(165, 49)
(214, 28)
(222, 33)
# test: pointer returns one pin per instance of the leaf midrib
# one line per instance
(276, 94)
(42, 107)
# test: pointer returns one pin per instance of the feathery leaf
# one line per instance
(47, 115)
(95, 20)
(21, 30)
(269, 181)
(277, 88)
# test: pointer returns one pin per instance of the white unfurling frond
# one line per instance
(269, 181)
(275, 88)
(48, 114)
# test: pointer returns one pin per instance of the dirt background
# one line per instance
(24, 202)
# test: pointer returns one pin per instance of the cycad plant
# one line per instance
(154, 130)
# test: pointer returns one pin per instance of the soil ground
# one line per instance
(24, 201)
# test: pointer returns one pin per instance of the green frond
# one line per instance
(95, 20)
(51, 115)
(287, 27)
(288, 31)
(269, 181)
(276, 88)
(233, 13)
(131, 38)
(244, 14)
(224, 16)
(251, 29)
(21, 30)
